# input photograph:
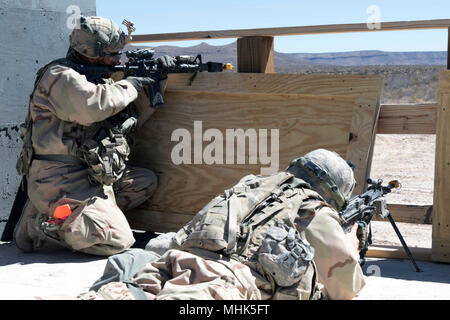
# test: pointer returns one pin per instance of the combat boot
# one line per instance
(22, 237)
(33, 231)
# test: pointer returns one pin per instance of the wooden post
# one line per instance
(255, 55)
(441, 199)
(448, 50)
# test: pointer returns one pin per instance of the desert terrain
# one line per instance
(409, 159)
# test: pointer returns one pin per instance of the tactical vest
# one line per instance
(103, 148)
(253, 222)
(26, 155)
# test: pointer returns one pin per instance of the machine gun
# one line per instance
(142, 64)
(361, 208)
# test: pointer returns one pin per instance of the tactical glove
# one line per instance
(139, 82)
(186, 59)
(363, 235)
(166, 61)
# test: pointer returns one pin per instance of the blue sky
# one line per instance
(182, 16)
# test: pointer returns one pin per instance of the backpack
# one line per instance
(254, 222)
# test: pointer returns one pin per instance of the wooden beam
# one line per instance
(255, 55)
(407, 119)
(290, 31)
(441, 200)
(373, 136)
(397, 252)
(441, 249)
(421, 214)
(448, 50)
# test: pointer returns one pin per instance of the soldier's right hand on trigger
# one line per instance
(139, 82)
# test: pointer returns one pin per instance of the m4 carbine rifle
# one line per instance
(142, 64)
(361, 208)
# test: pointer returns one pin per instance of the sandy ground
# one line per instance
(58, 274)
(391, 279)
(45, 274)
(61, 274)
(409, 159)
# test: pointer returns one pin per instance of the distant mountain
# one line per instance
(366, 58)
(409, 77)
(296, 61)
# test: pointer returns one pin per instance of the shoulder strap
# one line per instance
(63, 61)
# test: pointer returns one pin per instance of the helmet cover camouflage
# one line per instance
(96, 37)
(328, 173)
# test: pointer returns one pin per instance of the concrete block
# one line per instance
(34, 32)
(10, 146)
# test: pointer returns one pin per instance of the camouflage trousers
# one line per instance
(180, 275)
(97, 224)
(201, 275)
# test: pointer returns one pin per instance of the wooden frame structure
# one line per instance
(256, 55)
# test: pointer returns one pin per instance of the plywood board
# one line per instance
(420, 214)
(365, 89)
(441, 200)
(396, 252)
(407, 119)
(255, 54)
(304, 123)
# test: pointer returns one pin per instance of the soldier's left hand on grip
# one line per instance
(166, 61)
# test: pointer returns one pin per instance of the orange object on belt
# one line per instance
(62, 212)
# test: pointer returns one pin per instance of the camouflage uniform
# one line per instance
(336, 260)
(63, 106)
(206, 275)
(336, 268)
(196, 272)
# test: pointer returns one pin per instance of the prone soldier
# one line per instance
(267, 237)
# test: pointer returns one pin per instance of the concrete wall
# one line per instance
(33, 32)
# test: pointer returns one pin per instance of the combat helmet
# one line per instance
(328, 174)
(96, 37)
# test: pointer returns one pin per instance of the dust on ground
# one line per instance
(409, 159)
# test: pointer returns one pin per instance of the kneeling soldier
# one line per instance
(74, 157)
